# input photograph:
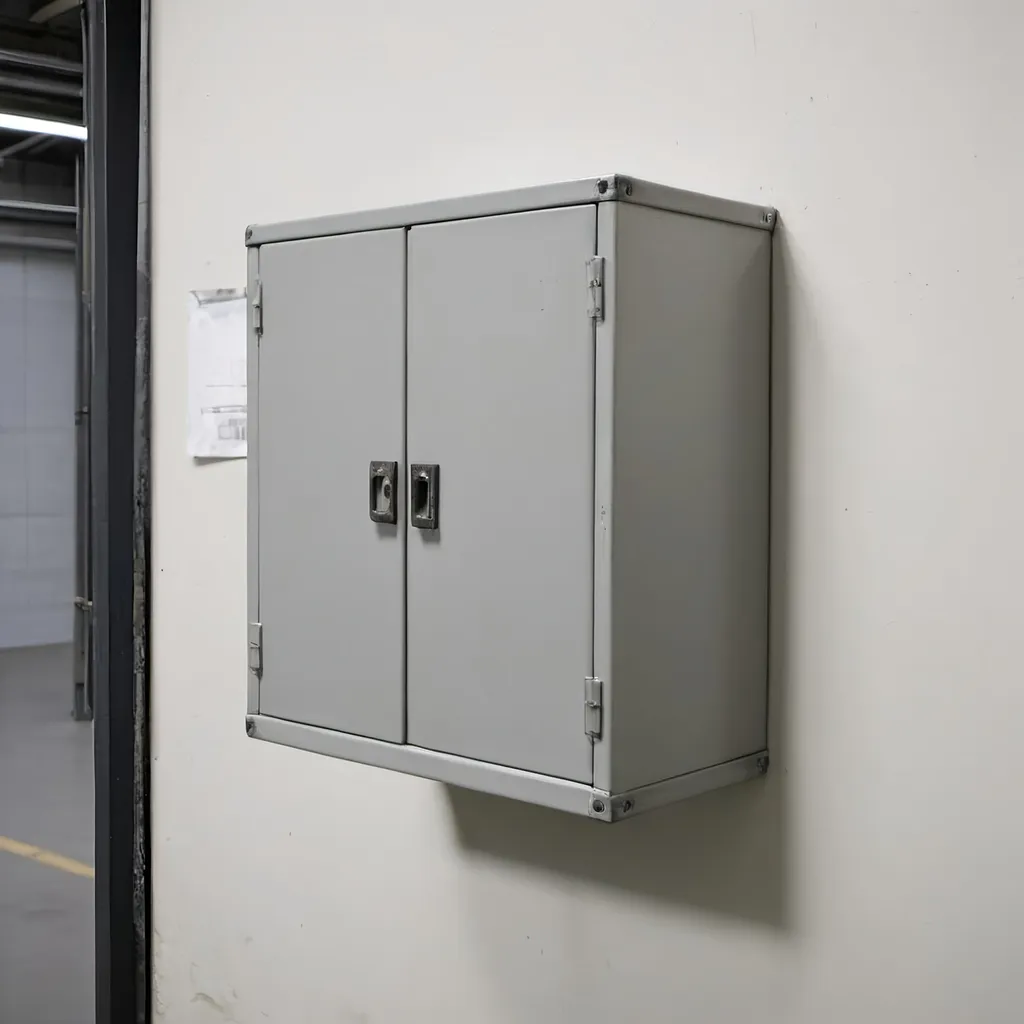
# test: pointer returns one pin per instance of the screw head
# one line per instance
(597, 806)
(248, 234)
(629, 189)
(762, 765)
(627, 806)
(602, 186)
(250, 727)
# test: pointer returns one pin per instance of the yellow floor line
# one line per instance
(47, 857)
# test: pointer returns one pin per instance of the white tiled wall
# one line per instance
(37, 361)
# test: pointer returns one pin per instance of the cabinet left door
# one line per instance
(331, 387)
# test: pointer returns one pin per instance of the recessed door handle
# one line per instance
(384, 492)
(424, 486)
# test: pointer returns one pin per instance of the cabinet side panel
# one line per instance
(252, 468)
(690, 497)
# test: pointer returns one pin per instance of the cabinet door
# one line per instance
(331, 387)
(500, 400)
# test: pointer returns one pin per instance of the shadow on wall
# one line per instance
(726, 852)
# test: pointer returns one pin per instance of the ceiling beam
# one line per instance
(39, 86)
(40, 62)
(22, 146)
(16, 209)
(51, 10)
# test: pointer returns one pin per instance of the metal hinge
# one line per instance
(257, 308)
(592, 706)
(256, 648)
(595, 284)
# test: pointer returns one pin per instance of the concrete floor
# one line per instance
(46, 799)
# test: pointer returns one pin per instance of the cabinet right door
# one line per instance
(500, 379)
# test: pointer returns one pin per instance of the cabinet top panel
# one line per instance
(607, 188)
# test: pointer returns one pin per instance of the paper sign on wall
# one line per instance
(216, 374)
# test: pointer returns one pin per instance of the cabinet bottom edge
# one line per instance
(499, 780)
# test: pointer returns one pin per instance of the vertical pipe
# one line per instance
(81, 708)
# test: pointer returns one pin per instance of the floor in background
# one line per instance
(46, 800)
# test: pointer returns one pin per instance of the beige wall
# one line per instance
(876, 875)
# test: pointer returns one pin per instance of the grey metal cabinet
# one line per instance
(508, 491)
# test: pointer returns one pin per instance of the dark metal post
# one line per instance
(121, 897)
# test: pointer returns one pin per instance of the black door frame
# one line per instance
(120, 511)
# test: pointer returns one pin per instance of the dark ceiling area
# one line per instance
(40, 76)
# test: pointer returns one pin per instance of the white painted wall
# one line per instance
(876, 875)
(37, 442)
